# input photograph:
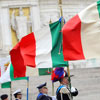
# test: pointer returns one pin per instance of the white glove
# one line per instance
(73, 89)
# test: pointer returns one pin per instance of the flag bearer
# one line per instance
(63, 92)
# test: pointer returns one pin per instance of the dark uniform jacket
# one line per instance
(65, 92)
(65, 96)
(43, 97)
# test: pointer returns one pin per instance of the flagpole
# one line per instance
(60, 6)
(52, 86)
(27, 88)
(10, 90)
(62, 22)
(52, 69)
(69, 75)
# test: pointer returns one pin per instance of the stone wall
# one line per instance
(49, 9)
(41, 12)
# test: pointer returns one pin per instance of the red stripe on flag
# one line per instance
(28, 49)
(23, 54)
(0, 71)
(72, 47)
(17, 62)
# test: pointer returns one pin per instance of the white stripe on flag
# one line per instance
(90, 34)
(6, 76)
(43, 48)
(4, 60)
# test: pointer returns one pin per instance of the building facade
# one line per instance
(20, 17)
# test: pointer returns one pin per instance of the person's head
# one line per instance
(4, 97)
(64, 80)
(18, 94)
(43, 89)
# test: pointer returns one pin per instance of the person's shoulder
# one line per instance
(44, 97)
(64, 90)
(50, 98)
(41, 97)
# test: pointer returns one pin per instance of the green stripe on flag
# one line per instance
(57, 52)
(98, 7)
(6, 85)
(45, 71)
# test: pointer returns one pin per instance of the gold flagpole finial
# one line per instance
(60, 2)
(50, 22)
(60, 5)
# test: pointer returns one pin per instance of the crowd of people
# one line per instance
(63, 92)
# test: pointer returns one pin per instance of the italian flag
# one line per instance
(81, 34)
(8, 76)
(40, 49)
(38, 71)
(0, 71)
(4, 61)
(44, 71)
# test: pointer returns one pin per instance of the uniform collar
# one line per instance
(63, 85)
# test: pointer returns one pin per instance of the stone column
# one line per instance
(0, 32)
(5, 29)
(35, 17)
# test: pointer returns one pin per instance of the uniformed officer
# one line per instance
(4, 97)
(63, 92)
(43, 93)
(17, 94)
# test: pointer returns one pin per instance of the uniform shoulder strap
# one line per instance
(39, 95)
(59, 89)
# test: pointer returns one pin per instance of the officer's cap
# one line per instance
(42, 85)
(17, 92)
